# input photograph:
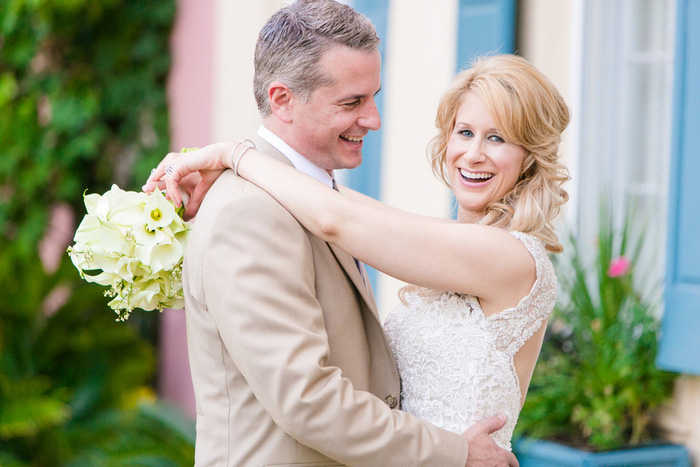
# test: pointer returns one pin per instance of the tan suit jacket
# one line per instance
(289, 361)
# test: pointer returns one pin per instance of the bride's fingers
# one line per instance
(152, 186)
(196, 198)
(171, 184)
(194, 171)
(162, 167)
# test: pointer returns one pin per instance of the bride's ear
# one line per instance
(281, 101)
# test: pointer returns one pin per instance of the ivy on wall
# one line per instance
(82, 106)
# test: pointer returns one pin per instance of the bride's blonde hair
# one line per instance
(528, 111)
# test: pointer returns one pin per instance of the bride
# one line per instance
(467, 335)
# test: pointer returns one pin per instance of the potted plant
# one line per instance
(596, 386)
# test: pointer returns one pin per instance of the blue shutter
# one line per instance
(366, 177)
(485, 27)
(680, 339)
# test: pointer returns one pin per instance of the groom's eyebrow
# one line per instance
(358, 96)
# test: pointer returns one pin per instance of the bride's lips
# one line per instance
(475, 178)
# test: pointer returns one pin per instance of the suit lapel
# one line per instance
(348, 264)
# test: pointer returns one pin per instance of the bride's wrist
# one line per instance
(238, 152)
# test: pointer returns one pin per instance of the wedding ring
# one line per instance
(152, 170)
(169, 170)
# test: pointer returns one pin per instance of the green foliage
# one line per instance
(149, 436)
(82, 103)
(82, 106)
(75, 385)
(596, 384)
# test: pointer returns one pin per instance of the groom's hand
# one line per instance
(483, 450)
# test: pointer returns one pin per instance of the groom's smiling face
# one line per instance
(328, 128)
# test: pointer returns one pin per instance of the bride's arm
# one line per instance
(446, 255)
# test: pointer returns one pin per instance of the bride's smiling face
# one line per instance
(481, 164)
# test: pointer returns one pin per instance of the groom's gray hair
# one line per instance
(293, 40)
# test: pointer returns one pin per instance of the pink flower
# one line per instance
(619, 267)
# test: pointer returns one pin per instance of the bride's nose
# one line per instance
(475, 151)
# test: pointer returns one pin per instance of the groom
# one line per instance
(289, 361)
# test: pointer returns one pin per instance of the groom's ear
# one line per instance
(281, 101)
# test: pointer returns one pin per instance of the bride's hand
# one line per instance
(194, 171)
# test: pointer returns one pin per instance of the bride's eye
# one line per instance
(497, 139)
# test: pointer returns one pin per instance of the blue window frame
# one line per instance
(366, 178)
(485, 27)
(680, 345)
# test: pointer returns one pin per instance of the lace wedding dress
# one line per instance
(456, 364)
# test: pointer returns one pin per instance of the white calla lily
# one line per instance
(91, 201)
(108, 279)
(88, 231)
(132, 243)
(112, 239)
(147, 297)
(126, 209)
(159, 211)
(127, 268)
(166, 256)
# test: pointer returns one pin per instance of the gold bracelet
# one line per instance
(238, 159)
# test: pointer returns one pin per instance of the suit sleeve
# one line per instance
(259, 280)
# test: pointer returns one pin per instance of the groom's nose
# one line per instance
(370, 116)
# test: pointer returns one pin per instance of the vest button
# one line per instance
(390, 401)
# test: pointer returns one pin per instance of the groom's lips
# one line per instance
(352, 139)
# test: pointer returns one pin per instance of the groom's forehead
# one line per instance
(350, 67)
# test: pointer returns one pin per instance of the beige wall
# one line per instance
(545, 39)
(681, 418)
(237, 24)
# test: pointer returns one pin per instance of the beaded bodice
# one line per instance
(456, 364)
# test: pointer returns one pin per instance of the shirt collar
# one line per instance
(301, 163)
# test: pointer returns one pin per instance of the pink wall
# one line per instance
(190, 100)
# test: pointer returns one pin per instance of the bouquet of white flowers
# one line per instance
(133, 243)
